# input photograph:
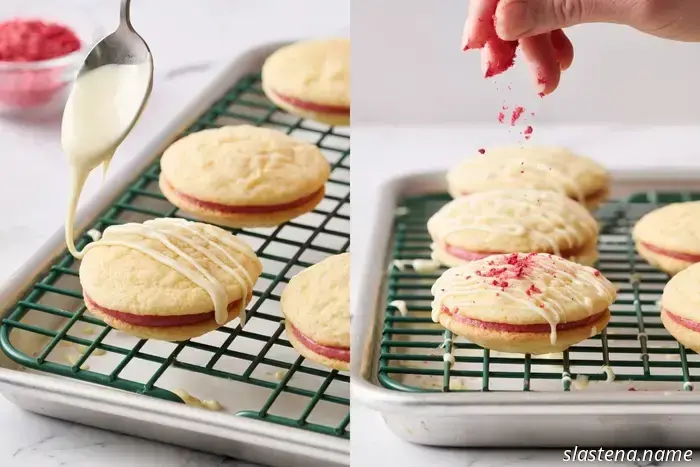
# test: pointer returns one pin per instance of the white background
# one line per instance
(408, 67)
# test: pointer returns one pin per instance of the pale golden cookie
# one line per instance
(537, 167)
(243, 176)
(680, 307)
(311, 79)
(508, 221)
(523, 303)
(669, 237)
(161, 279)
(316, 307)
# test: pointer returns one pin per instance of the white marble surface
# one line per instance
(191, 42)
(382, 153)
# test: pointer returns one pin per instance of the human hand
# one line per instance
(497, 27)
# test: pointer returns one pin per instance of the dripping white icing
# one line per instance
(565, 376)
(448, 357)
(558, 280)
(581, 382)
(609, 374)
(424, 266)
(399, 264)
(548, 218)
(165, 230)
(190, 400)
(94, 234)
(401, 306)
(101, 110)
(446, 342)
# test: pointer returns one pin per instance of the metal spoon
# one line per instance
(122, 47)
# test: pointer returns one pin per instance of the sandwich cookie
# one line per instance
(669, 237)
(311, 79)
(316, 308)
(523, 303)
(680, 307)
(507, 221)
(536, 167)
(243, 176)
(168, 279)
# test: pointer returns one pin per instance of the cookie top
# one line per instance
(537, 167)
(164, 267)
(681, 295)
(675, 227)
(519, 220)
(244, 166)
(523, 289)
(317, 301)
(315, 71)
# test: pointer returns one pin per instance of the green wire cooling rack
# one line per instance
(635, 349)
(49, 331)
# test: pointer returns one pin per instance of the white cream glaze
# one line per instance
(190, 400)
(401, 306)
(462, 285)
(425, 266)
(94, 234)
(448, 357)
(101, 110)
(581, 382)
(166, 229)
(609, 373)
(544, 210)
(529, 174)
(565, 376)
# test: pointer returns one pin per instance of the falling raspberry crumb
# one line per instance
(541, 94)
(501, 117)
(517, 113)
(528, 132)
(482, 151)
(505, 107)
(596, 273)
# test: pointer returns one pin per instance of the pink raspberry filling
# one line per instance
(546, 328)
(311, 106)
(689, 257)
(685, 322)
(335, 353)
(156, 321)
(229, 209)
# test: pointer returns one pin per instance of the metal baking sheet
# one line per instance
(217, 432)
(658, 416)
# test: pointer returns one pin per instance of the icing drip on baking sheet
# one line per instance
(401, 306)
(167, 229)
(192, 401)
(554, 279)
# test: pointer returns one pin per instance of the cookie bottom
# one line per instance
(686, 336)
(667, 264)
(587, 256)
(535, 343)
(268, 219)
(169, 333)
(310, 354)
(329, 118)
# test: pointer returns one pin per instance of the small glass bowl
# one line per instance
(38, 90)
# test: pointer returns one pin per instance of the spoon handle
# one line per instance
(126, 12)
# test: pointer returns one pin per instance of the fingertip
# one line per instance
(540, 56)
(563, 49)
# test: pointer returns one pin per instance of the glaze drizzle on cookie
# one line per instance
(165, 230)
(547, 217)
(539, 283)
